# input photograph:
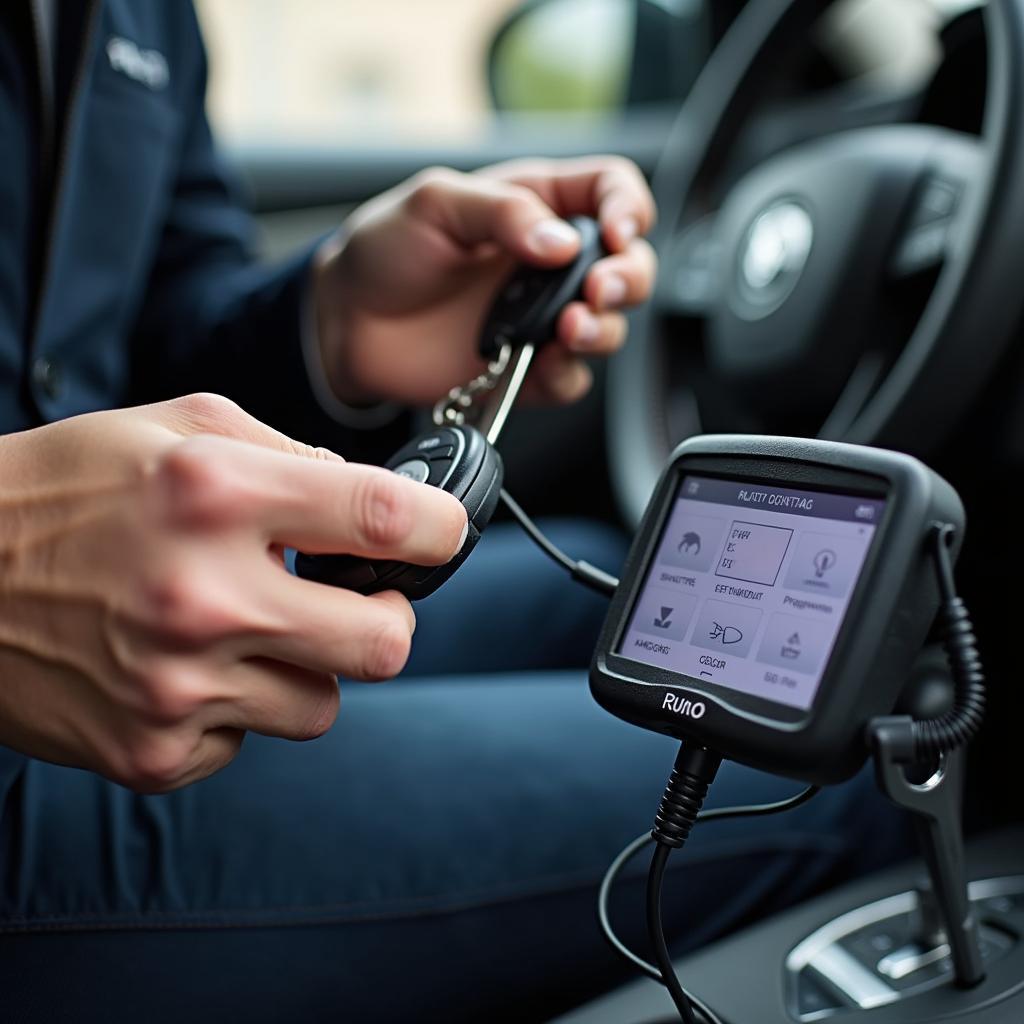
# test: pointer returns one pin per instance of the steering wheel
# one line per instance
(791, 272)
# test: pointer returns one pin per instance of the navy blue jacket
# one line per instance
(126, 269)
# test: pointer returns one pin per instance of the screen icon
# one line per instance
(725, 634)
(823, 561)
(795, 644)
(690, 544)
(664, 614)
(723, 626)
(791, 648)
(665, 621)
(827, 564)
(691, 541)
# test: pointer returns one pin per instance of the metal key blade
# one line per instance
(494, 414)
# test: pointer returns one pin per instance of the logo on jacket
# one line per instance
(148, 67)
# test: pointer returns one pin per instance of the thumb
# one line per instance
(473, 210)
(215, 414)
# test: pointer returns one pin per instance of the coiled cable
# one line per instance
(936, 736)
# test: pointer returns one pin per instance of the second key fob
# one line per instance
(457, 459)
(527, 307)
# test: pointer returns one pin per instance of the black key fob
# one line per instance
(528, 305)
(457, 459)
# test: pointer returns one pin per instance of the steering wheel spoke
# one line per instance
(690, 281)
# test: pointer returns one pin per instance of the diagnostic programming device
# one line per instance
(774, 599)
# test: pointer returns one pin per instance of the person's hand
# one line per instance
(403, 287)
(146, 617)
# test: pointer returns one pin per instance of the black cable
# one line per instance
(656, 931)
(759, 810)
(603, 896)
(629, 852)
(694, 770)
(585, 573)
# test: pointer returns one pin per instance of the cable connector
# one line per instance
(692, 774)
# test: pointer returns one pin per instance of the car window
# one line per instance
(414, 72)
(350, 71)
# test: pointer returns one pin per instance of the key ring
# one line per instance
(453, 408)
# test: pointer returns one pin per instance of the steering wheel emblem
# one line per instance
(772, 257)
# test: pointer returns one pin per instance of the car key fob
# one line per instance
(459, 460)
(527, 308)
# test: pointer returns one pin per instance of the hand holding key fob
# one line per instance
(526, 310)
(460, 461)
(458, 457)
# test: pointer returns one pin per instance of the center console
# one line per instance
(873, 951)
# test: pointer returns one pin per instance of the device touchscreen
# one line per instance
(749, 585)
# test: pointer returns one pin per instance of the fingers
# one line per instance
(217, 748)
(558, 376)
(205, 413)
(212, 483)
(596, 327)
(160, 758)
(622, 280)
(591, 334)
(330, 630)
(515, 205)
(363, 510)
(259, 696)
(610, 187)
(276, 699)
(474, 210)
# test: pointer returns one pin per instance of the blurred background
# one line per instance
(406, 71)
(322, 104)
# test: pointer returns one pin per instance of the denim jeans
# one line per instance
(435, 857)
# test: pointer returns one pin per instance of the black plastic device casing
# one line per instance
(887, 620)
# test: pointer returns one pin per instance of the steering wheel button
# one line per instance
(937, 201)
(414, 469)
(924, 247)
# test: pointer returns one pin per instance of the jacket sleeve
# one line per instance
(214, 318)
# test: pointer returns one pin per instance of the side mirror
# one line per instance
(597, 56)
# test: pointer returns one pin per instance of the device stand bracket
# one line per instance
(935, 807)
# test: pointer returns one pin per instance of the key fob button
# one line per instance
(432, 442)
(445, 451)
(414, 469)
(438, 471)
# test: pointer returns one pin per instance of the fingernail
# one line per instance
(588, 331)
(578, 382)
(628, 229)
(612, 292)
(462, 539)
(548, 236)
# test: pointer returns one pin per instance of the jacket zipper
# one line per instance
(57, 189)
